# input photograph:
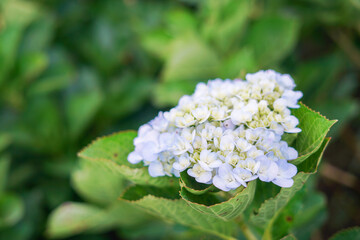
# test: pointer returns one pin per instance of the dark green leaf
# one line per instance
(348, 234)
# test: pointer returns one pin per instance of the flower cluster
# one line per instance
(227, 133)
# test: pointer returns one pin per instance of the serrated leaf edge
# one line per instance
(322, 136)
(344, 230)
(310, 173)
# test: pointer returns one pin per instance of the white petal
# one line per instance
(205, 166)
(286, 170)
(204, 177)
(149, 151)
(134, 158)
(220, 183)
(293, 130)
(156, 169)
(283, 182)
(224, 170)
(291, 153)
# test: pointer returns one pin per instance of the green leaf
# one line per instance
(238, 64)
(177, 210)
(190, 60)
(317, 77)
(168, 93)
(300, 215)
(179, 21)
(10, 36)
(41, 118)
(344, 110)
(289, 237)
(5, 140)
(11, 209)
(73, 218)
(273, 206)
(103, 46)
(4, 169)
(96, 183)
(225, 21)
(112, 151)
(157, 43)
(313, 216)
(38, 35)
(12, 9)
(272, 38)
(348, 234)
(59, 74)
(211, 204)
(9, 40)
(314, 128)
(193, 186)
(30, 66)
(126, 94)
(83, 102)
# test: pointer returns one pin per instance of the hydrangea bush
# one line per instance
(231, 160)
(227, 133)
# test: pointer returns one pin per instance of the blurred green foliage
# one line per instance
(74, 70)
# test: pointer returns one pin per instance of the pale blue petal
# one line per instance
(204, 177)
(134, 157)
(156, 169)
(284, 182)
(220, 183)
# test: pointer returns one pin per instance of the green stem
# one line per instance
(245, 229)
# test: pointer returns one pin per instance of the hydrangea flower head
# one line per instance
(227, 133)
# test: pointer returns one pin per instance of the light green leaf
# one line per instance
(96, 183)
(9, 41)
(348, 234)
(17, 15)
(213, 205)
(190, 60)
(20, 12)
(272, 38)
(157, 43)
(271, 208)
(73, 218)
(314, 128)
(111, 151)
(180, 21)
(11, 209)
(289, 237)
(193, 186)
(30, 65)
(157, 202)
(5, 140)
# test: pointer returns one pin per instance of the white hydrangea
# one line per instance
(227, 133)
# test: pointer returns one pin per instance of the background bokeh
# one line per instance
(73, 70)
